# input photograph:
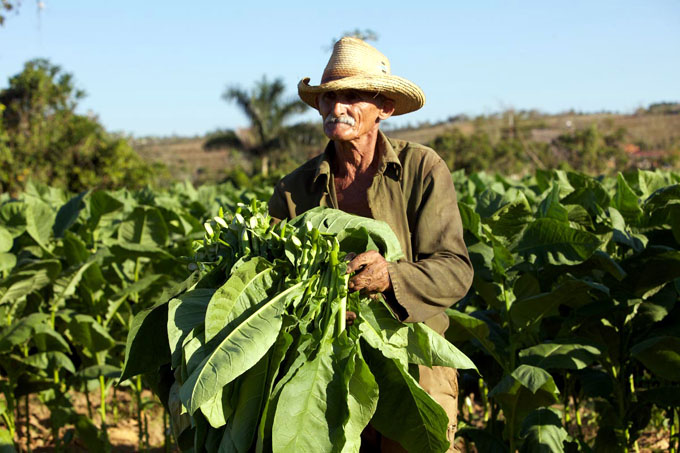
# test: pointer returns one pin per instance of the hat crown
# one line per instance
(353, 57)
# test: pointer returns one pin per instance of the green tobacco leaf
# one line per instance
(48, 339)
(129, 291)
(245, 288)
(463, 327)
(522, 391)
(652, 268)
(144, 227)
(362, 402)
(28, 279)
(237, 349)
(661, 355)
(184, 314)
(13, 217)
(566, 355)
(588, 192)
(343, 225)
(252, 395)
(7, 261)
(543, 432)
(68, 214)
(6, 442)
(431, 349)
(39, 220)
(89, 334)
(381, 331)
(551, 207)
(53, 359)
(422, 423)
(626, 201)
(91, 436)
(572, 292)
(301, 422)
(22, 330)
(94, 371)
(556, 242)
(6, 240)
(147, 342)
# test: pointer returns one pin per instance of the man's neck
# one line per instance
(356, 157)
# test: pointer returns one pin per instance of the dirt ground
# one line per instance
(122, 425)
(123, 428)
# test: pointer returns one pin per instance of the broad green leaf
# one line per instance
(422, 423)
(48, 339)
(145, 228)
(563, 355)
(237, 349)
(65, 286)
(556, 243)
(90, 435)
(147, 342)
(94, 371)
(588, 192)
(381, 331)
(463, 327)
(39, 220)
(184, 314)
(68, 214)
(21, 331)
(246, 287)
(362, 401)
(572, 292)
(551, 207)
(543, 432)
(217, 409)
(431, 349)
(6, 240)
(525, 389)
(7, 261)
(652, 269)
(28, 279)
(6, 442)
(661, 355)
(626, 201)
(343, 225)
(89, 335)
(301, 423)
(54, 359)
(252, 394)
(129, 291)
(13, 217)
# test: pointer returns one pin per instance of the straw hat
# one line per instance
(356, 65)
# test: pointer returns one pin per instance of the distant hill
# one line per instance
(652, 130)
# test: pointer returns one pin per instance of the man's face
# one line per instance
(350, 114)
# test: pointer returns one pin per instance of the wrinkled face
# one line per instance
(350, 114)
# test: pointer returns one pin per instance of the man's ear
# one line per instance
(386, 110)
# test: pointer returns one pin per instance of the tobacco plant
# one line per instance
(260, 352)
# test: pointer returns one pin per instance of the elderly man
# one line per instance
(404, 184)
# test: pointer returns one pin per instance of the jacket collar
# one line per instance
(390, 164)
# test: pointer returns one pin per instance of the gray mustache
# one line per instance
(339, 119)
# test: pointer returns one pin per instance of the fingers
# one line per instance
(373, 275)
(350, 316)
(362, 260)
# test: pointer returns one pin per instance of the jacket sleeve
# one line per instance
(441, 271)
(278, 208)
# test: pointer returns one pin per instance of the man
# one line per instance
(404, 184)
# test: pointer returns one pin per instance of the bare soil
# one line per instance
(122, 425)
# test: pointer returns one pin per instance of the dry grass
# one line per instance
(186, 158)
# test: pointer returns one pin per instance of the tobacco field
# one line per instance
(569, 339)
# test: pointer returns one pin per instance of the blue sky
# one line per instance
(159, 67)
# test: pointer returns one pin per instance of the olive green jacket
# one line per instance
(413, 192)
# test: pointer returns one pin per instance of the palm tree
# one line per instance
(268, 113)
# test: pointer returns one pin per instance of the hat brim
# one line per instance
(407, 96)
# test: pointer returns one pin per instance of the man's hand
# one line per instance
(371, 275)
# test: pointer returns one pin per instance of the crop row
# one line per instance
(574, 303)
